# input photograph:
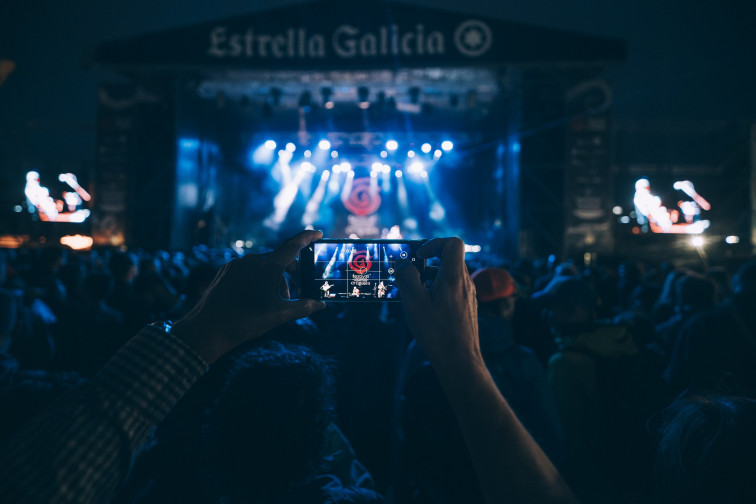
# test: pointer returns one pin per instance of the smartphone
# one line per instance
(355, 270)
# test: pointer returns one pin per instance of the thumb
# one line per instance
(414, 295)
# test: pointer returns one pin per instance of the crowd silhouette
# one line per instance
(618, 381)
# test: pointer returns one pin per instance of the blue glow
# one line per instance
(392, 145)
(270, 144)
(411, 154)
(447, 145)
(189, 143)
(426, 148)
(290, 147)
(516, 147)
(324, 144)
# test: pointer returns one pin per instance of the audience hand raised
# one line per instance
(247, 298)
(443, 319)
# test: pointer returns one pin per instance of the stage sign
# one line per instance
(346, 34)
(588, 178)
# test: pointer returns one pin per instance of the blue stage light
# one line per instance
(447, 145)
(384, 154)
(516, 147)
(290, 147)
(392, 145)
(410, 154)
(416, 167)
(307, 153)
(334, 154)
(426, 148)
(324, 144)
(437, 154)
(270, 144)
(398, 173)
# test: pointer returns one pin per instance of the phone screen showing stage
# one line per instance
(362, 271)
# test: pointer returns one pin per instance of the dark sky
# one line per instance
(686, 60)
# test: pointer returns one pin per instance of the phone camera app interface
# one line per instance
(358, 271)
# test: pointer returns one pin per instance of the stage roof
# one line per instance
(349, 35)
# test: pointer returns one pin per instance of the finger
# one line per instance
(284, 288)
(414, 296)
(452, 254)
(288, 251)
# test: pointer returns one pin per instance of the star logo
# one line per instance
(473, 38)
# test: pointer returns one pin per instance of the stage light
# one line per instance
(364, 105)
(426, 148)
(239, 243)
(308, 166)
(617, 210)
(437, 212)
(373, 174)
(392, 145)
(384, 154)
(697, 241)
(473, 249)
(307, 153)
(424, 174)
(329, 105)
(438, 153)
(386, 169)
(336, 168)
(410, 154)
(345, 167)
(377, 166)
(313, 205)
(625, 219)
(416, 167)
(334, 154)
(77, 242)
(249, 243)
(290, 147)
(732, 240)
(324, 144)
(447, 145)
(270, 144)
(398, 173)
(516, 147)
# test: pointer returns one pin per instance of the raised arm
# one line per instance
(509, 463)
(80, 450)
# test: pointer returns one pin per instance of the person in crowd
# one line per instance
(89, 332)
(103, 423)
(722, 340)
(604, 390)
(437, 465)
(694, 294)
(705, 450)
(257, 428)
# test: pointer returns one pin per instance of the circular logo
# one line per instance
(360, 262)
(473, 38)
(362, 200)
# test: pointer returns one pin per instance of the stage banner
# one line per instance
(588, 175)
(116, 106)
(344, 34)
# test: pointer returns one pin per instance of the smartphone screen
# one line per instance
(355, 270)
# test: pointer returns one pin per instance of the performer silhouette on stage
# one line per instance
(356, 291)
(381, 290)
(326, 287)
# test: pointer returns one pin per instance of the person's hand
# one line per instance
(444, 319)
(247, 298)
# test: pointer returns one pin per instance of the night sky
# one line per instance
(686, 61)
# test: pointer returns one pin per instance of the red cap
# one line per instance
(493, 283)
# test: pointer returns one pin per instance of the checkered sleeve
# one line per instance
(81, 448)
